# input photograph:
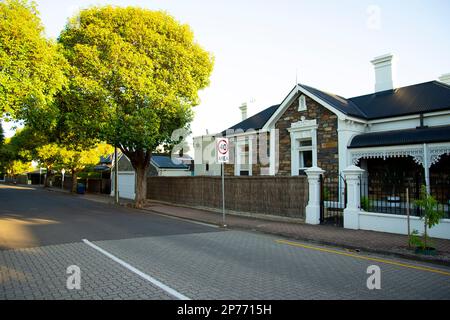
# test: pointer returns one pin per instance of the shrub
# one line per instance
(365, 203)
(431, 215)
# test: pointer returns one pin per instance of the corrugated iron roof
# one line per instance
(165, 162)
(415, 99)
(401, 137)
(255, 122)
(346, 106)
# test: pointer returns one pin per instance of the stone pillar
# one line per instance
(352, 175)
(313, 207)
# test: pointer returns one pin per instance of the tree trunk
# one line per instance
(47, 178)
(140, 160)
(425, 234)
(141, 185)
(74, 181)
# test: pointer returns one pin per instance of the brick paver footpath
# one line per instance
(370, 241)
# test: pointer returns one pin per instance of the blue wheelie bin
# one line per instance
(81, 189)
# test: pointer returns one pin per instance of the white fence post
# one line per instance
(313, 207)
(352, 176)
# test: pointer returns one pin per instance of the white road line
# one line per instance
(157, 283)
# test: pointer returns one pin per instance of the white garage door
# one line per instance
(127, 185)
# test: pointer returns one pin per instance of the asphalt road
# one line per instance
(132, 254)
(32, 217)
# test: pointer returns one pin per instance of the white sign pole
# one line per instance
(223, 157)
(63, 171)
(223, 195)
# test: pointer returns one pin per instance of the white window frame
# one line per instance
(242, 142)
(301, 150)
(302, 130)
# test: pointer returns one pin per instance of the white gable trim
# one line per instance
(120, 154)
(270, 124)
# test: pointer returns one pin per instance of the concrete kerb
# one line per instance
(264, 217)
(394, 254)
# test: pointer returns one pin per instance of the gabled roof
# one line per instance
(107, 160)
(101, 167)
(255, 122)
(346, 106)
(163, 161)
(401, 137)
(160, 160)
(415, 99)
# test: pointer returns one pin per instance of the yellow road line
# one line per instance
(410, 266)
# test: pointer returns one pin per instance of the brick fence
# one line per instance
(280, 196)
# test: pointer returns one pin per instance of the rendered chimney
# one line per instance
(383, 72)
(243, 109)
(445, 78)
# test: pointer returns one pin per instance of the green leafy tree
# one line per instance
(2, 136)
(139, 71)
(31, 68)
(76, 161)
(48, 156)
(19, 147)
(25, 141)
(7, 155)
(73, 120)
(2, 140)
(18, 167)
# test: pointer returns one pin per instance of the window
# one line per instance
(243, 161)
(303, 145)
(302, 103)
(305, 156)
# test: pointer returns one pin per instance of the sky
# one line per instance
(263, 47)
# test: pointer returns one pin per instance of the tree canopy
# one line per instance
(18, 151)
(2, 136)
(139, 73)
(28, 144)
(75, 161)
(31, 68)
(125, 76)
